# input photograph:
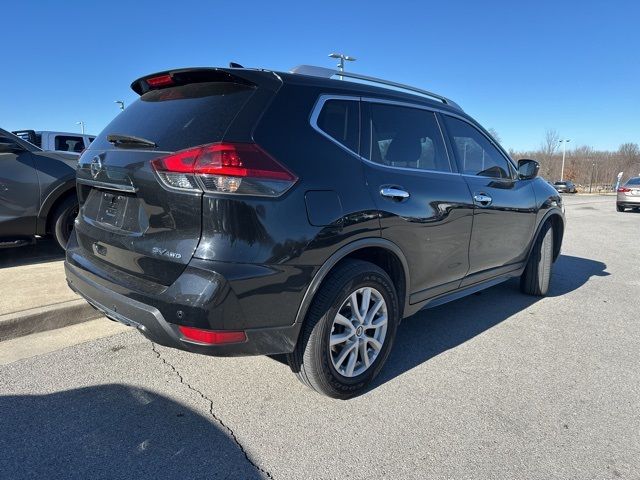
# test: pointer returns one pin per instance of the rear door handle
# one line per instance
(394, 193)
(482, 199)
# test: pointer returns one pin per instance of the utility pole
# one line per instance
(342, 57)
(81, 123)
(120, 104)
(564, 152)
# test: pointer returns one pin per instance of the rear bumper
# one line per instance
(204, 299)
(628, 201)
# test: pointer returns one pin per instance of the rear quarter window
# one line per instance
(340, 119)
(180, 117)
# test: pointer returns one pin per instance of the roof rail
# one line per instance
(329, 73)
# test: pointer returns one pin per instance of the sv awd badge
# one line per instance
(163, 252)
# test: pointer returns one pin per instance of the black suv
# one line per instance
(233, 211)
(37, 192)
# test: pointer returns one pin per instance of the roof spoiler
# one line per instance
(184, 76)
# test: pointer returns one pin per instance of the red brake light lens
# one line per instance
(160, 81)
(240, 160)
(212, 337)
(180, 162)
(239, 168)
(624, 189)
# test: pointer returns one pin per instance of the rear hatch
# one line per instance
(128, 219)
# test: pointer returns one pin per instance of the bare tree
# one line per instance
(551, 142)
(629, 153)
(495, 135)
(585, 165)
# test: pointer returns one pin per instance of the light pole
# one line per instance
(564, 142)
(81, 123)
(342, 57)
(120, 104)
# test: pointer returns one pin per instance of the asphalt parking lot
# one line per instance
(497, 385)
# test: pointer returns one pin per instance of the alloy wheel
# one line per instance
(358, 332)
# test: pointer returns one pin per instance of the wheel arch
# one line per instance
(51, 202)
(379, 251)
(557, 221)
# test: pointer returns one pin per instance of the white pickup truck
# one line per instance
(56, 141)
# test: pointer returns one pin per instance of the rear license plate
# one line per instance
(112, 209)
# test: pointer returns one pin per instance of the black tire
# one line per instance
(311, 361)
(620, 208)
(63, 218)
(536, 277)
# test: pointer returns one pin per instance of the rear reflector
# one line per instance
(161, 81)
(238, 168)
(624, 189)
(212, 337)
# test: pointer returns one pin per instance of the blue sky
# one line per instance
(517, 67)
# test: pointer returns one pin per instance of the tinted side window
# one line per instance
(406, 137)
(476, 154)
(69, 144)
(340, 120)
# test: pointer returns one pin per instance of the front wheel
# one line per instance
(348, 332)
(536, 277)
(63, 220)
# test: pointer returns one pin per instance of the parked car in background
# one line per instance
(37, 192)
(629, 195)
(565, 186)
(56, 141)
(233, 211)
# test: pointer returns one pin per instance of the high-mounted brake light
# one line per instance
(239, 168)
(160, 81)
(212, 337)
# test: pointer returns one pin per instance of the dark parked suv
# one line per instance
(232, 211)
(37, 192)
(565, 187)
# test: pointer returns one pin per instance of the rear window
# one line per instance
(634, 181)
(560, 183)
(66, 143)
(180, 117)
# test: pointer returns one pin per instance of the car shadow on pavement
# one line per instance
(114, 431)
(44, 250)
(433, 331)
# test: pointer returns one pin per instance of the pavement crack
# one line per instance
(211, 412)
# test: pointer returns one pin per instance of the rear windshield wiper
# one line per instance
(130, 141)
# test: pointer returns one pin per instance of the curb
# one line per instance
(41, 319)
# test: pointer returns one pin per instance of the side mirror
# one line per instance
(528, 169)
(7, 146)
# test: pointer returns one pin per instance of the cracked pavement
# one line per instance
(211, 412)
(497, 385)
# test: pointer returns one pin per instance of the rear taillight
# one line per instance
(624, 189)
(212, 337)
(236, 168)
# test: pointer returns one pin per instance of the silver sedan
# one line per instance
(629, 195)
